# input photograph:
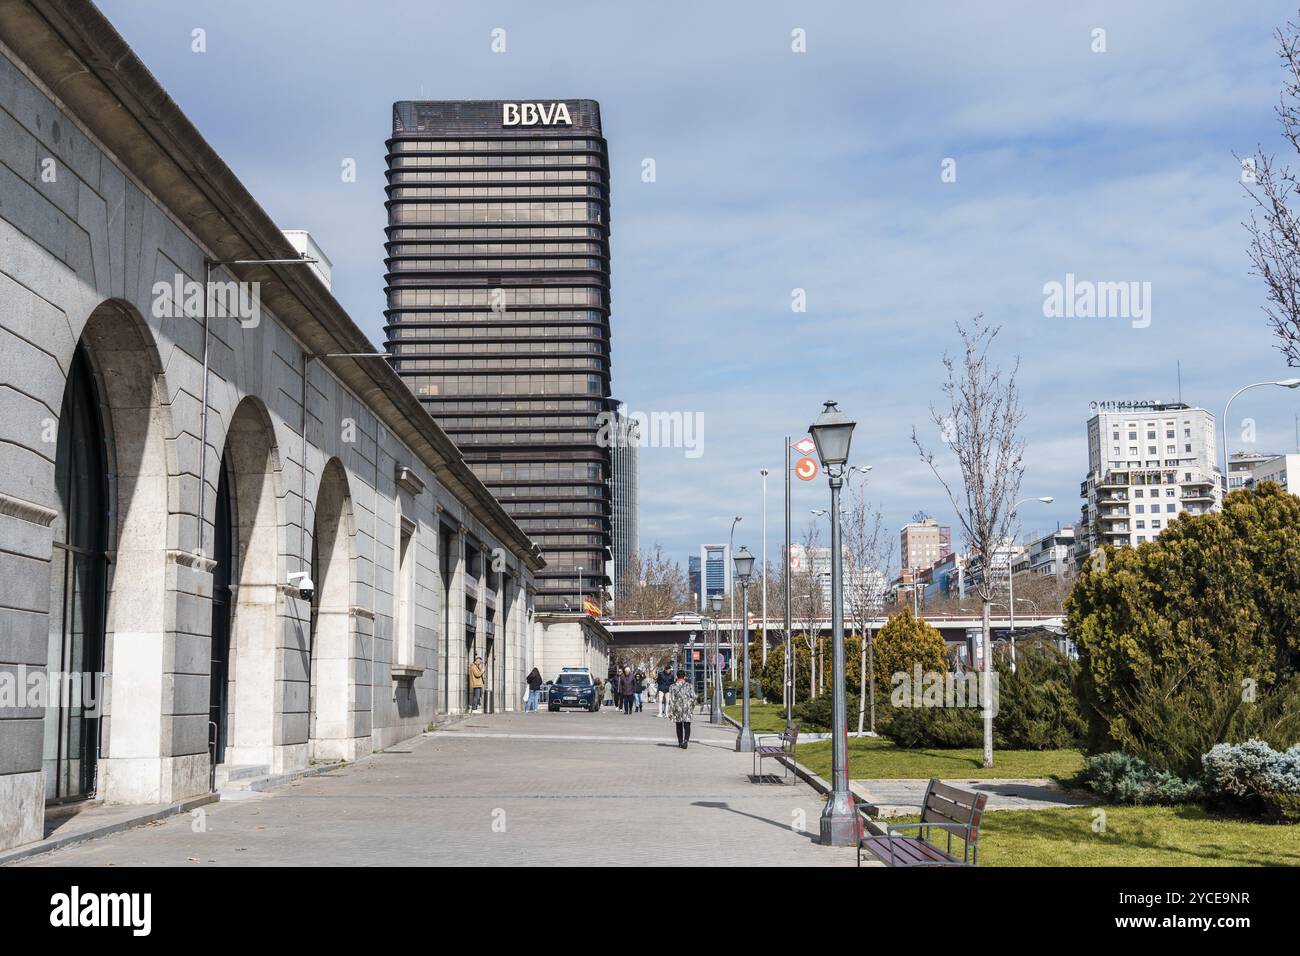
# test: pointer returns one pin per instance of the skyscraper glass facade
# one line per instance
(497, 260)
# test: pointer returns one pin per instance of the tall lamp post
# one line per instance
(744, 563)
(763, 472)
(840, 825)
(1011, 579)
(731, 591)
(715, 708)
(1282, 383)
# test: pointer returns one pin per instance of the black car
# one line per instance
(573, 689)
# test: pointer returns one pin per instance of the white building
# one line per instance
(1051, 554)
(1283, 470)
(865, 584)
(171, 473)
(1148, 463)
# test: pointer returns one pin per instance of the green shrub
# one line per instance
(814, 716)
(913, 727)
(1118, 778)
(1254, 779)
(1191, 640)
(1038, 706)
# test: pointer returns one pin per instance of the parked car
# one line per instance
(573, 688)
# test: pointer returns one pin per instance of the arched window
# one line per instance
(80, 578)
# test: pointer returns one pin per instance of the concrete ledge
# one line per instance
(127, 821)
(823, 786)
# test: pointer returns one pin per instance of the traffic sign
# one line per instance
(805, 446)
(806, 469)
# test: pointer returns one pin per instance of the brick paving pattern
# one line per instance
(570, 788)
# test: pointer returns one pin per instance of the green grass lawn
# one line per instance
(763, 718)
(1132, 836)
(874, 758)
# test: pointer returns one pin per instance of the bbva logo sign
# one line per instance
(535, 114)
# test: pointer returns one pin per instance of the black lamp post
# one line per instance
(744, 564)
(715, 669)
(840, 825)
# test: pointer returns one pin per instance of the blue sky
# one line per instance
(819, 171)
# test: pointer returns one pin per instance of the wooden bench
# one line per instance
(789, 737)
(955, 812)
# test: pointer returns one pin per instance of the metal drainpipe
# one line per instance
(203, 410)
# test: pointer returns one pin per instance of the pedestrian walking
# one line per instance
(607, 694)
(681, 701)
(476, 684)
(534, 689)
(626, 689)
(613, 682)
(639, 677)
(664, 684)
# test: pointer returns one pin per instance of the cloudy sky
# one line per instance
(818, 171)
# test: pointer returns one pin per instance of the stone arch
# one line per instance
(332, 715)
(251, 463)
(138, 763)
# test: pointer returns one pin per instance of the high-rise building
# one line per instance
(923, 542)
(498, 310)
(715, 572)
(694, 579)
(1148, 463)
(626, 524)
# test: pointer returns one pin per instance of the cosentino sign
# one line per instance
(535, 114)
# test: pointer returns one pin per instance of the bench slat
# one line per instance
(962, 798)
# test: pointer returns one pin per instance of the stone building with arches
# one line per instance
(171, 466)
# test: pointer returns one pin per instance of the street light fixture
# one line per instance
(840, 824)
(1011, 580)
(1281, 383)
(715, 708)
(744, 562)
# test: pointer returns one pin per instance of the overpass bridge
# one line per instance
(678, 631)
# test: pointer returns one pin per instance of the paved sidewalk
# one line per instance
(894, 798)
(569, 788)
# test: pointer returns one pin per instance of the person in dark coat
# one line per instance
(534, 689)
(627, 689)
(613, 683)
(664, 683)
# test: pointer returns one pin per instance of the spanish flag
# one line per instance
(590, 607)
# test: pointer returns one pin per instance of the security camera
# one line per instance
(306, 590)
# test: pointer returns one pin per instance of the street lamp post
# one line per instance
(731, 591)
(1282, 383)
(715, 708)
(763, 472)
(1011, 579)
(840, 824)
(744, 563)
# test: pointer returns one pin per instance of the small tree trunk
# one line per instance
(871, 675)
(862, 688)
(986, 683)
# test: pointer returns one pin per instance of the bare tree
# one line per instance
(807, 601)
(867, 562)
(980, 424)
(654, 587)
(1274, 224)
